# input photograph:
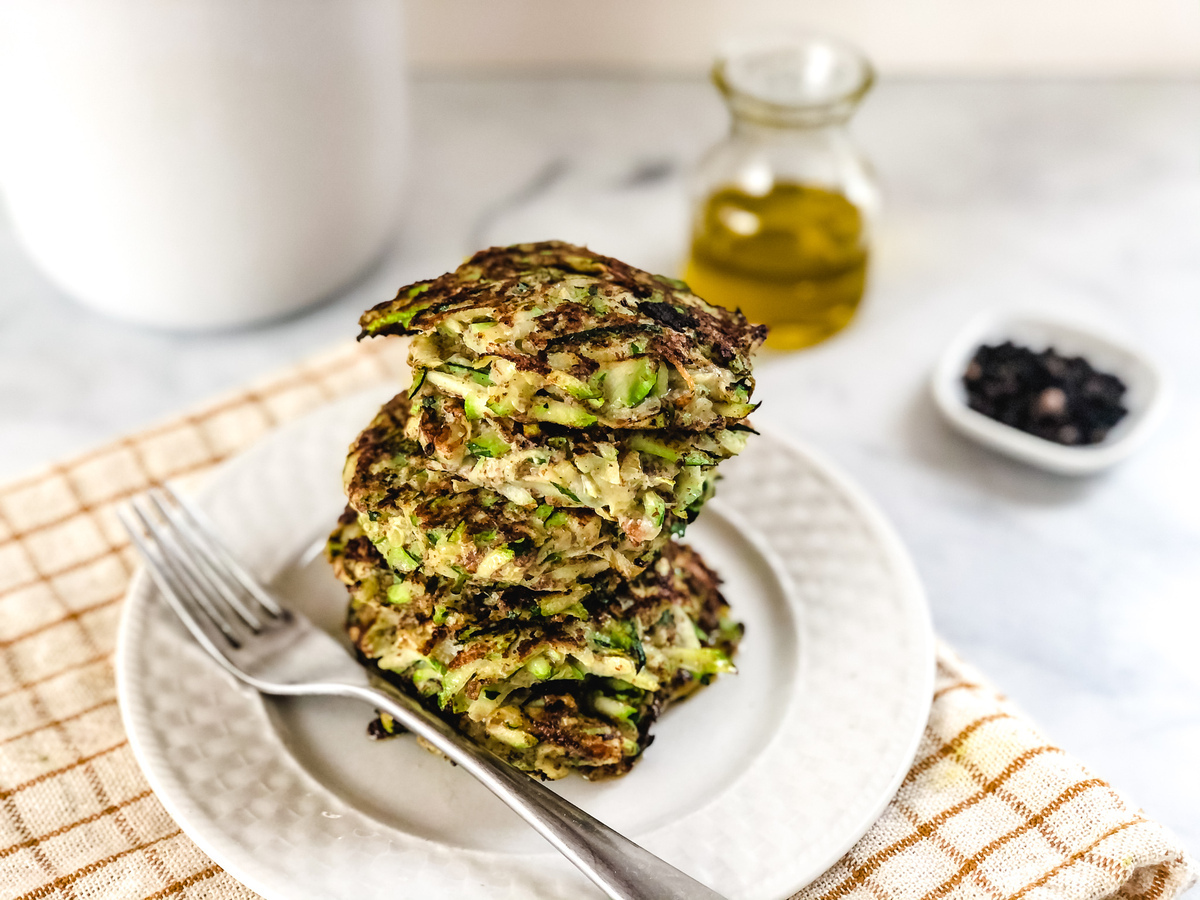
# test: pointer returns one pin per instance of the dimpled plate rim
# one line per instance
(844, 743)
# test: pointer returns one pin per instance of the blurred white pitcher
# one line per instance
(197, 164)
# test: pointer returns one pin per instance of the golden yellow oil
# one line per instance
(794, 258)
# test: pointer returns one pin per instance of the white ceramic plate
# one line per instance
(754, 786)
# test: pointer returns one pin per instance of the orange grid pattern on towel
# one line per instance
(989, 810)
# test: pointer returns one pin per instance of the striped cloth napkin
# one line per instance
(989, 810)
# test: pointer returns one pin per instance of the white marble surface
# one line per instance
(1080, 598)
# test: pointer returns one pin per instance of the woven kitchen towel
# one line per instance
(989, 810)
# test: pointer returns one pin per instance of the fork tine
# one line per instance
(201, 566)
(222, 559)
(173, 591)
(170, 556)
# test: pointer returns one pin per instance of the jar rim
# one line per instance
(792, 78)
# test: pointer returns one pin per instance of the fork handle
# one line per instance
(618, 866)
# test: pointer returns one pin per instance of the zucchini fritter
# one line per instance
(549, 693)
(420, 516)
(629, 477)
(551, 332)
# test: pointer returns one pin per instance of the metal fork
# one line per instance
(278, 651)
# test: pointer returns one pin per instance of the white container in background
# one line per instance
(195, 164)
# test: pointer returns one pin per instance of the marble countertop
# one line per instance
(1080, 598)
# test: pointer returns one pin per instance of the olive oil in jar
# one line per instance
(794, 258)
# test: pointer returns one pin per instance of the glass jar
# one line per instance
(783, 206)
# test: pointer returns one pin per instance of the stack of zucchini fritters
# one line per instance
(508, 540)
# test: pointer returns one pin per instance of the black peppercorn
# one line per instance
(1059, 398)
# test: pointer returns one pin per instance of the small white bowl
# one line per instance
(1145, 395)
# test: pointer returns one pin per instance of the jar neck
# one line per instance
(793, 84)
(812, 129)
